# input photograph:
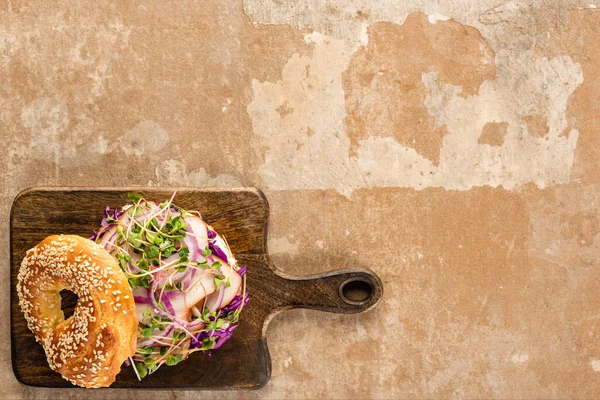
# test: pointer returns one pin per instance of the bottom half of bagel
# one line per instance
(88, 348)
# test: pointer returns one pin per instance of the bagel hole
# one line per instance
(68, 302)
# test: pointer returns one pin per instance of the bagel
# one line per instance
(88, 348)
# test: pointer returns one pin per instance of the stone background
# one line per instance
(451, 146)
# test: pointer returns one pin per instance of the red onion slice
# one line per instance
(196, 312)
(200, 231)
(214, 301)
(141, 300)
(167, 302)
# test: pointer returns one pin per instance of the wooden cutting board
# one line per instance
(241, 215)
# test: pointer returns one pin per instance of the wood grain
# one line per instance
(241, 216)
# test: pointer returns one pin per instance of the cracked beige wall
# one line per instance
(305, 119)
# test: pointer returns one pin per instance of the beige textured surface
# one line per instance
(453, 147)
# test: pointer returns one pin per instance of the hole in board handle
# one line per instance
(356, 291)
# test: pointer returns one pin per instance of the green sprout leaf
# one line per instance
(152, 252)
(172, 360)
(183, 254)
(145, 351)
(134, 197)
(150, 363)
(135, 239)
(141, 369)
(151, 236)
(208, 344)
(145, 281)
(214, 325)
(218, 282)
(143, 264)
(122, 260)
(147, 331)
(134, 283)
(168, 251)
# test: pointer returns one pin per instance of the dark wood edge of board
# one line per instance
(323, 292)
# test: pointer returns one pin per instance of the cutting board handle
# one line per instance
(340, 291)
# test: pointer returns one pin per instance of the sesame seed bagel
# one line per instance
(88, 348)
